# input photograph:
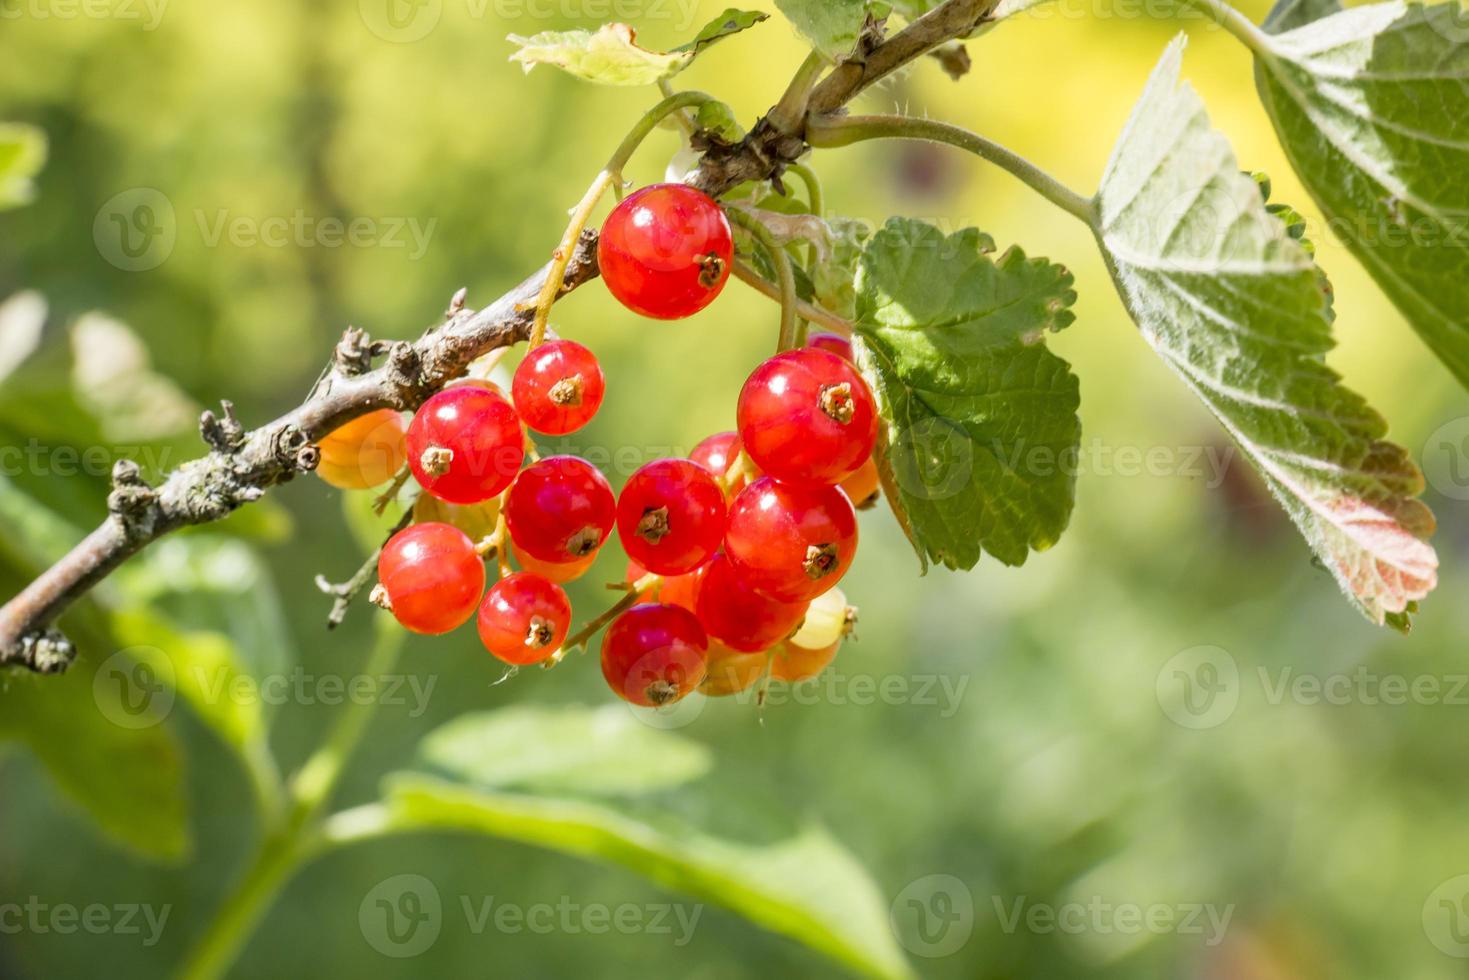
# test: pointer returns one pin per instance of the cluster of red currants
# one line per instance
(734, 552)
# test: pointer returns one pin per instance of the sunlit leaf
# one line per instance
(727, 24)
(1235, 306)
(608, 56)
(1372, 106)
(807, 887)
(831, 26)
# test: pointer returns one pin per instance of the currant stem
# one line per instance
(610, 175)
(1244, 30)
(808, 311)
(814, 200)
(836, 131)
(783, 273)
(502, 540)
(581, 636)
(386, 497)
(290, 843)
(348, 591)
(788, 113)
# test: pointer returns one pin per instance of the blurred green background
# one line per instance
(1034, 750)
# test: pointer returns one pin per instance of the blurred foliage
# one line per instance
(1002, 726)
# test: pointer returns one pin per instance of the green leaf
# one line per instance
(834, 276)
(606, 751)
(1372, 107)
(22, 154)
(97, 727)
(1234, 304)
(807, 887)
(144, 656)
(92, 729)
(727, 24)
(980, 437)
(607, 57)
(832, 26)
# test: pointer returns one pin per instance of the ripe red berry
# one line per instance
(717, 453)
(653, 655)
(465, 444)
(558, 387)
(559, 572)
(523, 619)
(432, 577)
(738, 616)
(806, 417)
(671, 516)
(791, 543)
(665, 251)
(833, 343)
(560, 509)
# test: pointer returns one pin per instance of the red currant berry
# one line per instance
(523, 619)
(791, 543)
(465, 444)
(559, 572)
(832, 343)
(665, 251)
(718, 453)
(671, 516)
(806, 417)
(558, 387)
(653, 655)
(560, 509)
(431, 577)
(738, 616)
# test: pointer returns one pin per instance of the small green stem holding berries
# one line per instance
(808, 177)
(609, 176)
(834, 131)
(784, 276)
(581, 636)
(808, 311)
